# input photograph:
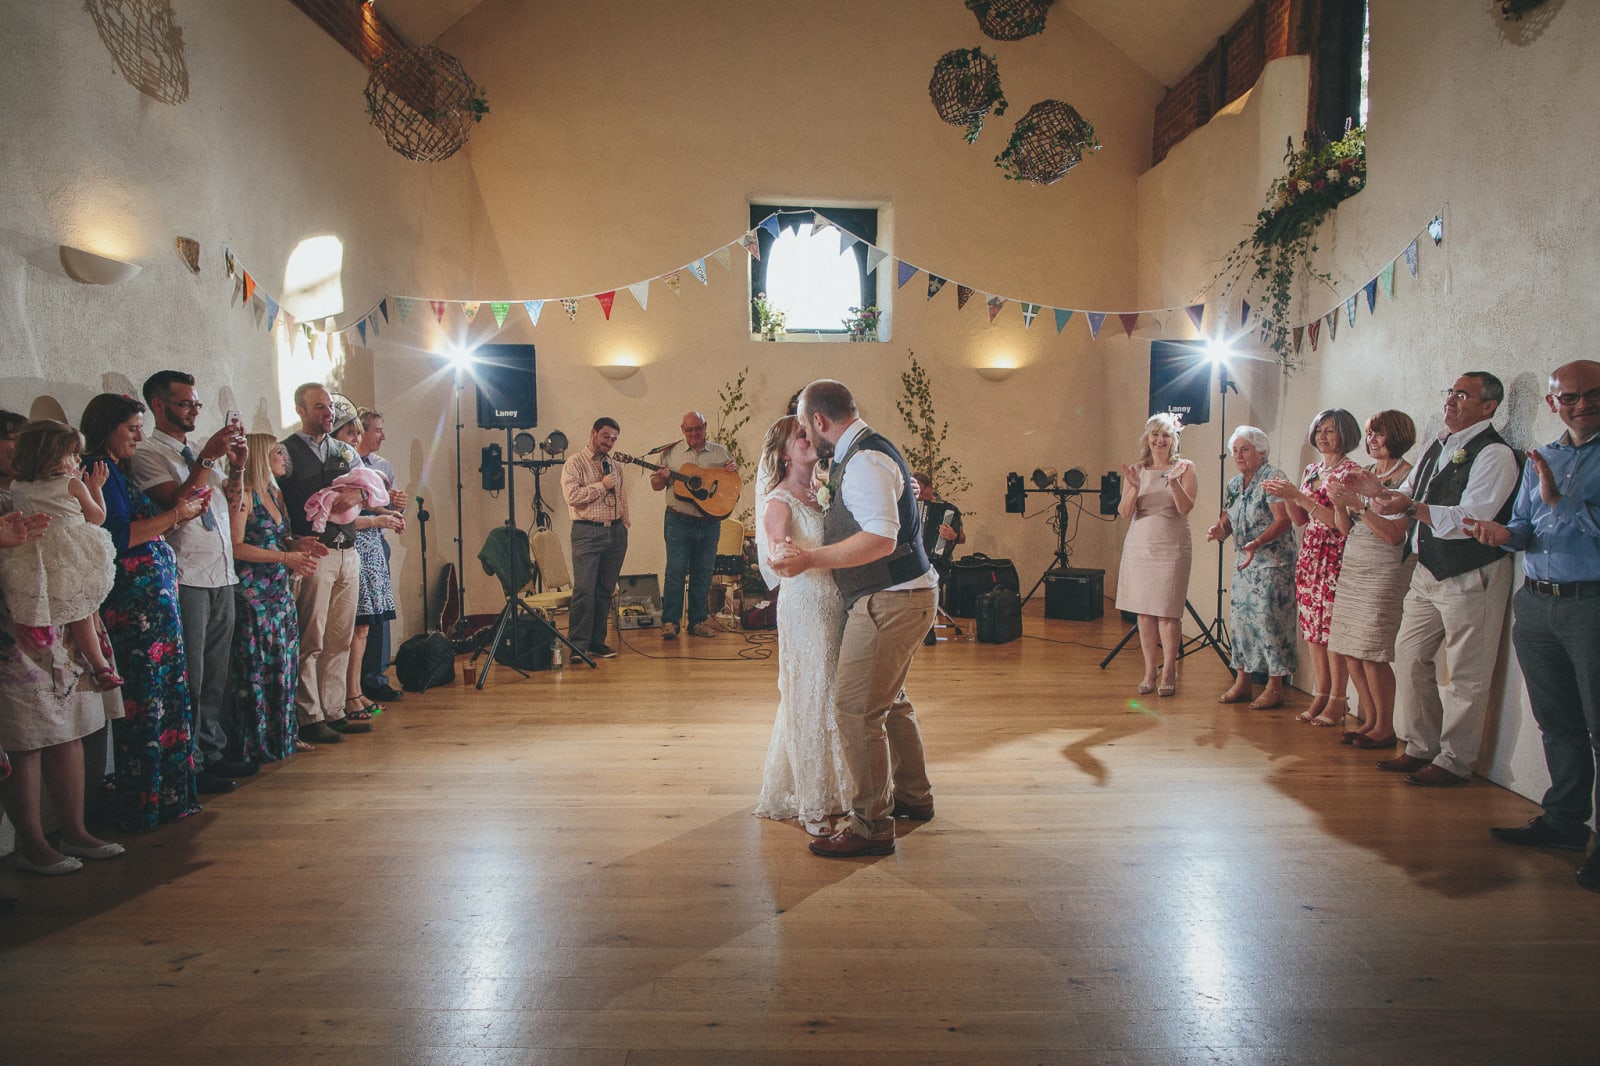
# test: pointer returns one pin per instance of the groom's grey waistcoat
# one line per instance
(908, 560)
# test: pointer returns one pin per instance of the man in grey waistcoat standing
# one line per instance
(872, 541)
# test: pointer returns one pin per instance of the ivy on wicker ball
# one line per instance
(423, 102)
(1010, 20)
(964, 87)
(1050, 140)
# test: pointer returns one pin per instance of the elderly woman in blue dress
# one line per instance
(1263, 615)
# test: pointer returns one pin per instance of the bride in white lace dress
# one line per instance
(805, 777)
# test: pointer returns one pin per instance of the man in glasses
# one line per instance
(1556, 521)
(1456, 606)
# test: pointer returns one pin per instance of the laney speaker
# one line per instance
(1076, 595)
(1180, 381)
(507, 395)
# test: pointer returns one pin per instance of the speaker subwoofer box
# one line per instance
(1075, 595)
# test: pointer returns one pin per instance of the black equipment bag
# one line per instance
(999, 616)
(971, 576)
(425, 661)
(535, 645)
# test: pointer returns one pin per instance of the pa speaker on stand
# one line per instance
(507, 395)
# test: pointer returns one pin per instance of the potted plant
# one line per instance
(770, 319)
(862, 325)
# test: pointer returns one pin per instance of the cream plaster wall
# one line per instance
(1488, 127)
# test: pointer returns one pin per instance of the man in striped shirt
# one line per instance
(598, 503)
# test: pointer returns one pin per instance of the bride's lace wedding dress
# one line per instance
(805, 775)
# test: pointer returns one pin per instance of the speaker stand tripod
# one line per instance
(1062, 562)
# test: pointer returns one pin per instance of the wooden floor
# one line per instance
(564, 869)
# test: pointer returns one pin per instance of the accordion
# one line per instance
(936, 513)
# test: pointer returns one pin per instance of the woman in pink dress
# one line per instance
(1335, 433)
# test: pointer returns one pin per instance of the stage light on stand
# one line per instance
(555, 443)
(523, 444)
(1044, 477)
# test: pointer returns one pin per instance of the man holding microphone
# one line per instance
(598, 503)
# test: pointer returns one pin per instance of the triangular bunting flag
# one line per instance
(1130, 320)
(469, 309)
(723, 257)
(771, 225)
(1411, 258)
(305, 327)
(249, 286)
(372, 320)
(1332, 318)
(1371, 289)
(438, 310)
(963, 294)
(533, 307)
(404, 304)
(1314, 331)
(1096, 318)
(1244, 313)
(1029, 313)
(641, 293)
(847, 241)
(272, 313)
(500, 309)
(258, 308)
(818, 223)
(995, 304)
(1386, 275)
(874, 257)
(1063, 316)
(906, 272)
(227, 259)
(1350, 309)
(1299, 338)
(1436, 230)
(570, 306)
(1197, 314)
(189, 252)
(752, 244)
(673, 281)
(698, 269)
(383, 308)
(934, 285)
(606, 300)
(361, 328)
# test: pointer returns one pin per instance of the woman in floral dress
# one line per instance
(154, 775)
(1335, 433)
(266, 627)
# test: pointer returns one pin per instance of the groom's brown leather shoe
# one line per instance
(917, 812)
(847, 845)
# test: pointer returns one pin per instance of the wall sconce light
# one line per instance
(996, 373)
(617, 371)
(91, 269)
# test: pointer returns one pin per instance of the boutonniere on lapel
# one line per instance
(825, 488)
(1459, 457)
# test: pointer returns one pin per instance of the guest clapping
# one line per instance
(1262, 623)
(1334, 434)
(1158, 493)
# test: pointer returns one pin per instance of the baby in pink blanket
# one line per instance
(320, 506)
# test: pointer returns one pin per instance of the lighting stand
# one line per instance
(422, 530)
(1061, 561)
(461, 555)
(514, 608)
(1215, 635)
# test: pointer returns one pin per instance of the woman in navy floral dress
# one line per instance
(266, 627)
(154, 774)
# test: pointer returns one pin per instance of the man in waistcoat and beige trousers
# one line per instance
(1458, 597)
(872, 541)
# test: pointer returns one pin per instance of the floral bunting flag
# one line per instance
(906, 272)
(1299, 338)
(963, 294)
(227, 259)
(1029, 313)
(383, 308)
(249, 286)
(1436, 230)
(875, 256)
(272, 313)
(438, 310)
(1063, 316)
(1314, 331)
(189, 252)
(1197, 315)
(469, 310)
(935, 283)
(1332, 318)
(724, 257)
(1411, 258)
(641, 293)
(1386, 275)
(500, 309)
(698, 269)
(403, 305)
(361, 328)
(771, 225)
(752, 244)
(1129, 320)
(995, 304)
(672, 280)
(533, 307)
(606, 300)
(1096, 319)
(570, 306)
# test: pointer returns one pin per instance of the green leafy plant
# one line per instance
(771, 320)
(862, 325)
(924, 450)
(970, 89)
(1316, 179)
(733, 416)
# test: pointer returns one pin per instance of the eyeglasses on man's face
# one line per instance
(1572, 399)
(1460, 396)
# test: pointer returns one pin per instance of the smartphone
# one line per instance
(233, 418)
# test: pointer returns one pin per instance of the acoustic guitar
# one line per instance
(713, 490)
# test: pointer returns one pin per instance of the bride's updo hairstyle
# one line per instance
(774, 466)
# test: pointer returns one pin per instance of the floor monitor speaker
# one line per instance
(1076, 595)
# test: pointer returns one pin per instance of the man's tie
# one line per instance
(207, 519)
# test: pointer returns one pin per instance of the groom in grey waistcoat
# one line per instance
(872, 541)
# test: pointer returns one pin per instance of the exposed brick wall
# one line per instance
(1261, 35)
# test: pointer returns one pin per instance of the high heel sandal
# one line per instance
(1168, 688)
(1145, 688)
(1310, 713)
(1323, 720)
(361, 713)
(1234, 697)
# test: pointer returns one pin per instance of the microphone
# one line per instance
(605, 466)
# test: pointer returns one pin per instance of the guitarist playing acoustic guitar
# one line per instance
(706, 487)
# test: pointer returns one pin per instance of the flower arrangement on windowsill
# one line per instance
(862, 325)
(771, 321)
(1317, 178)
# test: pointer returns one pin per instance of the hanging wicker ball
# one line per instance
(965, 85)
(1049, 140)
(1010, 20)
(423, 103)
(146, 42)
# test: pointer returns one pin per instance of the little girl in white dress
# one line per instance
(62, 578)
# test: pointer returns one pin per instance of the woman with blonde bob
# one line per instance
(1158, 492)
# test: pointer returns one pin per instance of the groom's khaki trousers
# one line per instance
(877, 724)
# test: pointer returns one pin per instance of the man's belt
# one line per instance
(592, 522)
(1565, 588)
